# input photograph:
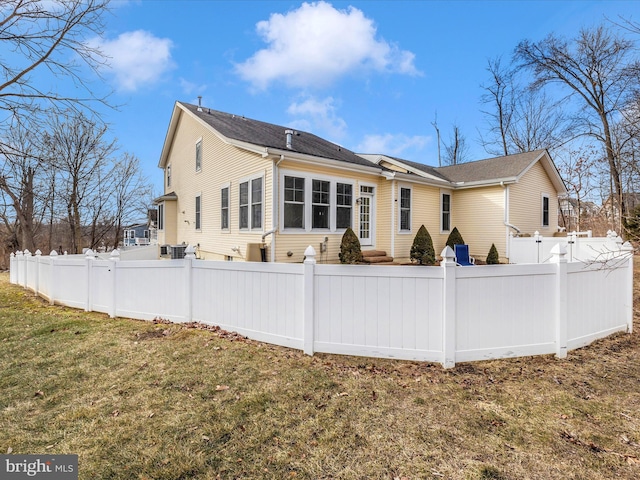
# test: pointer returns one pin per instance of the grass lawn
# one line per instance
(138, 400)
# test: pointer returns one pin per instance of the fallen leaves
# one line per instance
(220, 388)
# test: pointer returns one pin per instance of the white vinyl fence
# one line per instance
(443, 314)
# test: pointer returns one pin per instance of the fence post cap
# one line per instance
(89, 253)
(559, 249)
(38, 253)
(53, 253)
(627, 247)
(12, 255)
(190, 251)
(448, 255)
(26, 253)
(115, 254)
(310, 255)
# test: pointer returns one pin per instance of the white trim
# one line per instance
(444, 192)
(373, 213)
(542, 197)
(197, 213)
(198, 141)
(308, 196)
(249, 180)
(402, 231)
(393, 217)
(226, 185)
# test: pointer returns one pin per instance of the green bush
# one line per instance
(455, 238)
(493, 258)
(422, 249)
(350, 251)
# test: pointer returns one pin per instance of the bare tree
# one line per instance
(457, 150)
(499, 95)
(82, 152)
(599, 71)
(49, 37)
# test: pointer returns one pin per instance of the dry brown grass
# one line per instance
(137, 400)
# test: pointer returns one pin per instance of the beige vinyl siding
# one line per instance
(383, 217)
(297, 242)
(169, 234)
(525, 202)
(479, 215)
(221, 164)
(425, 210)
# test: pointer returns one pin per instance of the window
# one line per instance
(344, 200)
(199, 155)
(256, 203)
(198, 212)
(293, 202)
(132, 234)
(244, 205)
(320, 204)
(445, 224)
(168, 175)
(251, 204)
(224, 208)
(405, 209)
(146, 234)
(545, 211)
(161, 216)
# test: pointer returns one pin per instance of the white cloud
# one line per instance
(318, 115)
(392, 144)
(316, 44)
(137, 58)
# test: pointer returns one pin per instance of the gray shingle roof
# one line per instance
(509, 166)
(273, 136)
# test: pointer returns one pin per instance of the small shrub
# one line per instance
(455, 238)
(350, 251)
(422, 249)
(493, 258)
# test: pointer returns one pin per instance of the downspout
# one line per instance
(393, 218)
(274, 207)
(506, 217)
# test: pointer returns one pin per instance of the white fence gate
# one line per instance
(443, 314)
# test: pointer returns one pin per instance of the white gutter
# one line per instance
(274, 207)
(393, 218)
(506, 217)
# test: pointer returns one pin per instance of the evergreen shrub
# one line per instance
(493, 258)
(350, 251)
(422, 249)
(455, 238)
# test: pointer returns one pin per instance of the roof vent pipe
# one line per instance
(199, 103)
(289, 135)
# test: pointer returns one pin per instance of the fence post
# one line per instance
(113, 260)
(627, 250)
(537, 238)
(89, 257)
(25, 260)
(52, 277)
(308, 299)
(448, 264)
(12, 268)
(189, 256)
(36, 284)
(558, 256)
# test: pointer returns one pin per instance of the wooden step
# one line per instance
(373, 253)
(379, 259)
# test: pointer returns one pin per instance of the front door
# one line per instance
(366, 217)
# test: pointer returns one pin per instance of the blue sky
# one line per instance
(369, 75)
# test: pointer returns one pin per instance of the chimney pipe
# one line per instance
(199, 103)
(289, 135)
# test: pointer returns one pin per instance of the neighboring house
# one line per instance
(574, 214)
(232, 183)
(135, 235)
(611, 208)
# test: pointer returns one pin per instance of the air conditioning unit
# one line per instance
(177, 251)
(165, 250)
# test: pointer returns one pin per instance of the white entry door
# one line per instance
(366, 215)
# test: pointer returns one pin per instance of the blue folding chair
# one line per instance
(462, 255)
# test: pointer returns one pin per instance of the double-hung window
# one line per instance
(161, 216)
(224, 208)
(344, 200)
(199, 155)
(320, 204)
(545, 210)
(168, 173)
(445, 201)
(250, 201)
(198, 212)
(405, 209)
(312, 203)
(293, 202)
